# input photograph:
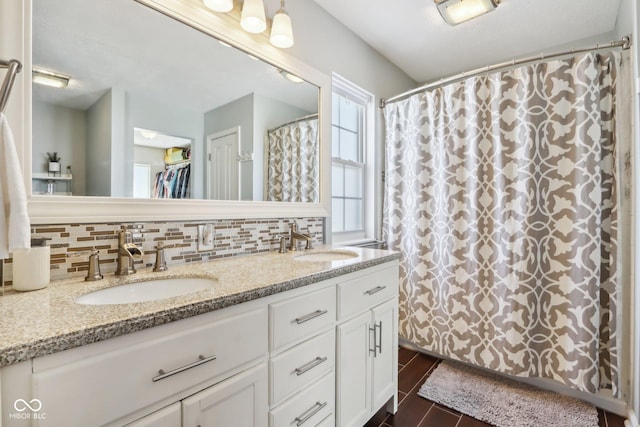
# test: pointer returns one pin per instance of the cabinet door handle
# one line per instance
(309, 413)
(374, 290)
(373, 350)
(304, 368)
(201, 360)
(378, 342)
(307, 317)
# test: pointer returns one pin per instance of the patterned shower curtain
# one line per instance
(502, 194)
(293, 162)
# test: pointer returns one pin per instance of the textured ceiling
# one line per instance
(412, 35)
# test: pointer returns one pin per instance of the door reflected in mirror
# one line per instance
(251, 134)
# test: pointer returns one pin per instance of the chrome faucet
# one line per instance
(294, 236)
(127, 253)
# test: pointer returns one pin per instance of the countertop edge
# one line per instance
(20, 353)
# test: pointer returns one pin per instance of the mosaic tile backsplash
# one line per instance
(70, 243)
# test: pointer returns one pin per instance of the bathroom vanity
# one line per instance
(279, 340)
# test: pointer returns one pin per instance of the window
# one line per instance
(351, 161)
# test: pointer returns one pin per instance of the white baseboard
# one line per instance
(607, 403)
(632, 419)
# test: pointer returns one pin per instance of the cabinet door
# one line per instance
(385, 372)
(240, 401)
(353, 373)
(165, 417)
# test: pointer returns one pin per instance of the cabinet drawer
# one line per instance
(299, 317)
(307, 408)
(366, 291)
(301, 365)
(105, 387)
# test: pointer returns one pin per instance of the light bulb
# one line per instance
(253, 19)
(281, 31)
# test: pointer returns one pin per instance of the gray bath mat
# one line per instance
(503, 402)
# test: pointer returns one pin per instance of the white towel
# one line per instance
(15, 229)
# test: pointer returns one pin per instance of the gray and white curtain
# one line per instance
(293, 162)
(503, 196)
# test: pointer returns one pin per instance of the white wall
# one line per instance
(64, 131)
(98, 154)
(628, 23)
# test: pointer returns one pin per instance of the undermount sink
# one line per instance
(326, 256)
(149, 290)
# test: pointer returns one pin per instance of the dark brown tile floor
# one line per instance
(415, 411)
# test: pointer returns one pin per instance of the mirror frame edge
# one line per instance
(80, 209)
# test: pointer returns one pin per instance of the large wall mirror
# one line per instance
(156, 108)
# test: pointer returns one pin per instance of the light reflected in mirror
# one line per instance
(252, 134)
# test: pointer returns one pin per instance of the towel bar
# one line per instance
(14, 66)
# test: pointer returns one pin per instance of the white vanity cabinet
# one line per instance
(237, 401)
(302, 378)
(367, 341)
(324, 354)
(171, 416)
(120, 380)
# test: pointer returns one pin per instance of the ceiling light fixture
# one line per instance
(291, 77)
(253, 19)
(281, 31)
(49, 78)
(148, 134)
(455, 12)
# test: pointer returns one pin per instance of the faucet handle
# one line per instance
(283, 244)
(161, 262)
(94, 267)
(94, 264)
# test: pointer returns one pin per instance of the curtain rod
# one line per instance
(299, 119)
(624, 43)
(14, 67)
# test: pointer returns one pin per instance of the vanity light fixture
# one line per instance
(291, 77)
(219, 5)
(49, 78)
(281, 31)
(253, 19)
(455, 12)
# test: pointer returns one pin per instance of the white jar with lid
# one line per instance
(31, 267)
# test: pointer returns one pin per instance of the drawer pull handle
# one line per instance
(309, 413)
(374, 290)
(310, 316)
(309, 366)
(201, 360)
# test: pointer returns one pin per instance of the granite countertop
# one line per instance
(49, 320)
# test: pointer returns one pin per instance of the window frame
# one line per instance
(354, 93)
